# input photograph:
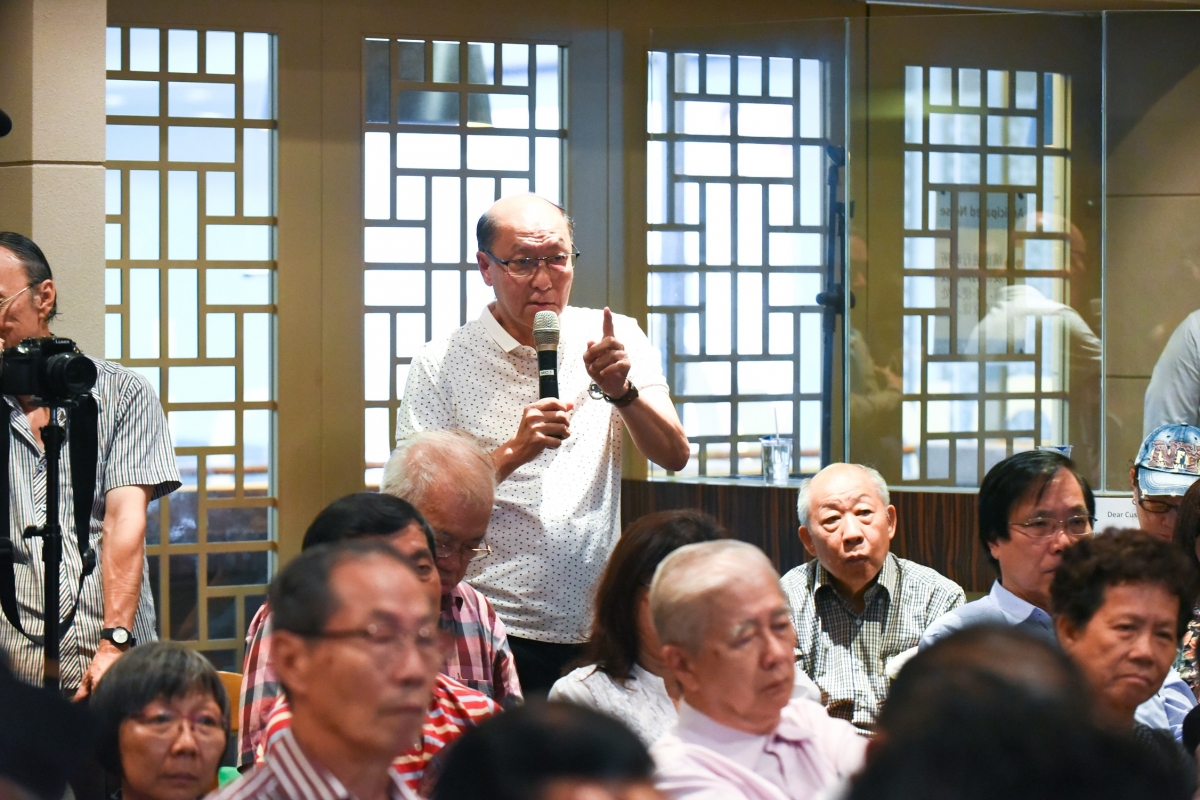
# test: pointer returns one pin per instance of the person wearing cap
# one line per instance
(1168, 463)
(557, 460)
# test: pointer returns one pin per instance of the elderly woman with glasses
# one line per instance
(163, 719)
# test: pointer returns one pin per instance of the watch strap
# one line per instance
(111, 633)
(625, 399)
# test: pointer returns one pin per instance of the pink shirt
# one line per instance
(809, 752)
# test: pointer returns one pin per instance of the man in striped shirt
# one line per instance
(357, 648)
(135, 464)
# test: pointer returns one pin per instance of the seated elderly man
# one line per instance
(357, 649)
(1121, 601)
(1032, 506)
(451, 480)
(1167, 465)
(728, 641)
(858, 610)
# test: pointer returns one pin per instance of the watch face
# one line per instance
(120, 636)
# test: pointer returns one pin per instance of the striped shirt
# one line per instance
(134, 450)
(480, 659)
(291, 775)
(452, 711)
(850, 656)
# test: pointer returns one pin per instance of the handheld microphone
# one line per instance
(5, 123)
(545, 338)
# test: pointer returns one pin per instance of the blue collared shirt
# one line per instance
(1001, 607)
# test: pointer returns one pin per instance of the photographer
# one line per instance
(113, 607)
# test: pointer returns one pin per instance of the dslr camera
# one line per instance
(50, 369)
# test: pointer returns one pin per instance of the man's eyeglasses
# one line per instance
(7, 301)
(1045, 527)
(169, 724)
(524, 267)
(447, 549)
(388, 643)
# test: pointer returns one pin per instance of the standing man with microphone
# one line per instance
(558, 459)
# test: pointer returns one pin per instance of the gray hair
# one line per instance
(488, 226)
(804, 499)
(688, 577)
(453, 458)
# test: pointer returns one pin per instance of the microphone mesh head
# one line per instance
(545, 328)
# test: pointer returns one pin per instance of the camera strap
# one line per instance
(83, 443)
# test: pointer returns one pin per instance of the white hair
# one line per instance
(686, 579)
(804, 499)
(452, 458)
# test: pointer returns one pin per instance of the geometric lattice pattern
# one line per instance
(449, 127)
(988, 330)
(735, 210)
(190, 249)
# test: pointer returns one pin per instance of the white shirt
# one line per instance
(1174, 391)
(642, 703)
(557, 517)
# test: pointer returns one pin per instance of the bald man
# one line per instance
(858, 610)
(557, 460)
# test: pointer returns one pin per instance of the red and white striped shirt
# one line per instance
(290, 775)
(453, 710)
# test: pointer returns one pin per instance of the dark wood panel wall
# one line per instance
(936, 529)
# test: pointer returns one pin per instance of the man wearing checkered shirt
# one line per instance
(858, 610)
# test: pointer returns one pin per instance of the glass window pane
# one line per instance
(220, 52)
(143, 49)
(131, 98)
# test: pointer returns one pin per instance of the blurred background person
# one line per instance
(549, 751)
(1121, 602)
(1167, 464)
(728, 640)
(1173, 394)
(449, 478)
(624, 675)
(357, 650)
(858, 610)
(162, 720)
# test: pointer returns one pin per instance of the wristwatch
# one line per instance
(118, 636)
(624, 399)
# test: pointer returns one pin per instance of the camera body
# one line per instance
(49, 369)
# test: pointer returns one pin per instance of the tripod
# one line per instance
(53, 437)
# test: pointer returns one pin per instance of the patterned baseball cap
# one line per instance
(1169, 461)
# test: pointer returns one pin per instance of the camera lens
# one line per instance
(69, 375)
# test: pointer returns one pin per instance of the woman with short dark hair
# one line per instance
(163, 719)
(623, 672)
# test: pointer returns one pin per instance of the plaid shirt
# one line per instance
(848, 654)
(480, 659)
(453, 710)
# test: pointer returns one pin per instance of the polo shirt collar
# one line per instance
(888, 577)
(1014, 608)
(496, 331)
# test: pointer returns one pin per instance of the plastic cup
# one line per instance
(776, 459)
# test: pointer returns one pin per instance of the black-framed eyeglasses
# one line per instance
(447, 549)
(524, 267)
(169, 724)
(1045, 527)
(1155, 506)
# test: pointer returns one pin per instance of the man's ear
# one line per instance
(1066, 632)
(291, 658)
(891, 514)
(484, 267)
(44, 295)
(679, 662)
(807, 540)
